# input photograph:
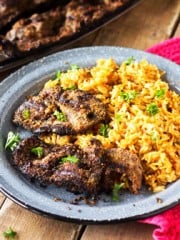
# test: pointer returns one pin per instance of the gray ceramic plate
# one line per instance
(29, 80)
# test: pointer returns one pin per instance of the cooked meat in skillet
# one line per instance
(80, 171)
(122, 161)
(10, 9)
(60, 21)
(39, 29)
(83, 110)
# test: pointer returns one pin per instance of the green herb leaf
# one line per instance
(58, 75)
(37, 151)
(72, 159)
(152, 109)
(12, 141)
(118, 117)
(129, 60)
(9, 234)
(73, 87)
(160, 93)
(104, 130)
(60, 116)
(154, 136)
(128, 96)
(26, 113)
(74, 67)
(115, 191)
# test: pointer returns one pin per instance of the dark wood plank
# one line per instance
(148, 23)
(123, 231)
(177, 31)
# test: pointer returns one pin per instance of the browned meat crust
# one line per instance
(37, 113)
(10, 9)
(81, 109)
(93, 172)
(82, 177)
(54, 25)
(123, 161)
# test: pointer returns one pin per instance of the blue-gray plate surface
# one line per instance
(29, 80)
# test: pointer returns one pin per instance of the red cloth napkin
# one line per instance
(169, 49)
(168, 222)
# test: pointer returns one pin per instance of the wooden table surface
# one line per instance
(150, 22)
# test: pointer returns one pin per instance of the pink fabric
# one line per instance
(169, 49)
(168, 222)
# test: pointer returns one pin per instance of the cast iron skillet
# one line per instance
(63, 44)
(28, 80)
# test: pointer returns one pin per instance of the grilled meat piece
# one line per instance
(122, 161)
(39, 29)
(82, 177)
(79, 14)
(37, 113)
(95, 169)
(10, 9)
(28, 162)
(62, 21)
(83, 110)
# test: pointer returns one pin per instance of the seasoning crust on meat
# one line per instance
(82, 110)
(87, 174)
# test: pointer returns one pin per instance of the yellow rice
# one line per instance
(155, 139)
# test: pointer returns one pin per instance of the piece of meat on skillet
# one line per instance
(43, 28)
(37, 113)
(120, 161)
(83, 109)
(10, 9)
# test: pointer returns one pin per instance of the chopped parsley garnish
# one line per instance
(58, 75)
(73, 87)
(74, 67)
(60, 116)
(118, 117)
(26, 113)
(128, 96)
(37, 151)
(115, 191)
(104, 130)
(12, 141)
(152, 109)
(159, 93)
(154, 136)
(129, 60)
(9, 234)
(71, 159)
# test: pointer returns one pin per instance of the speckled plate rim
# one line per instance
(28, 196)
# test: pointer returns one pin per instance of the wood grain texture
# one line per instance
(2, 198)
(122, 231)
(148, 23)
(177, 31)
(30, 226)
